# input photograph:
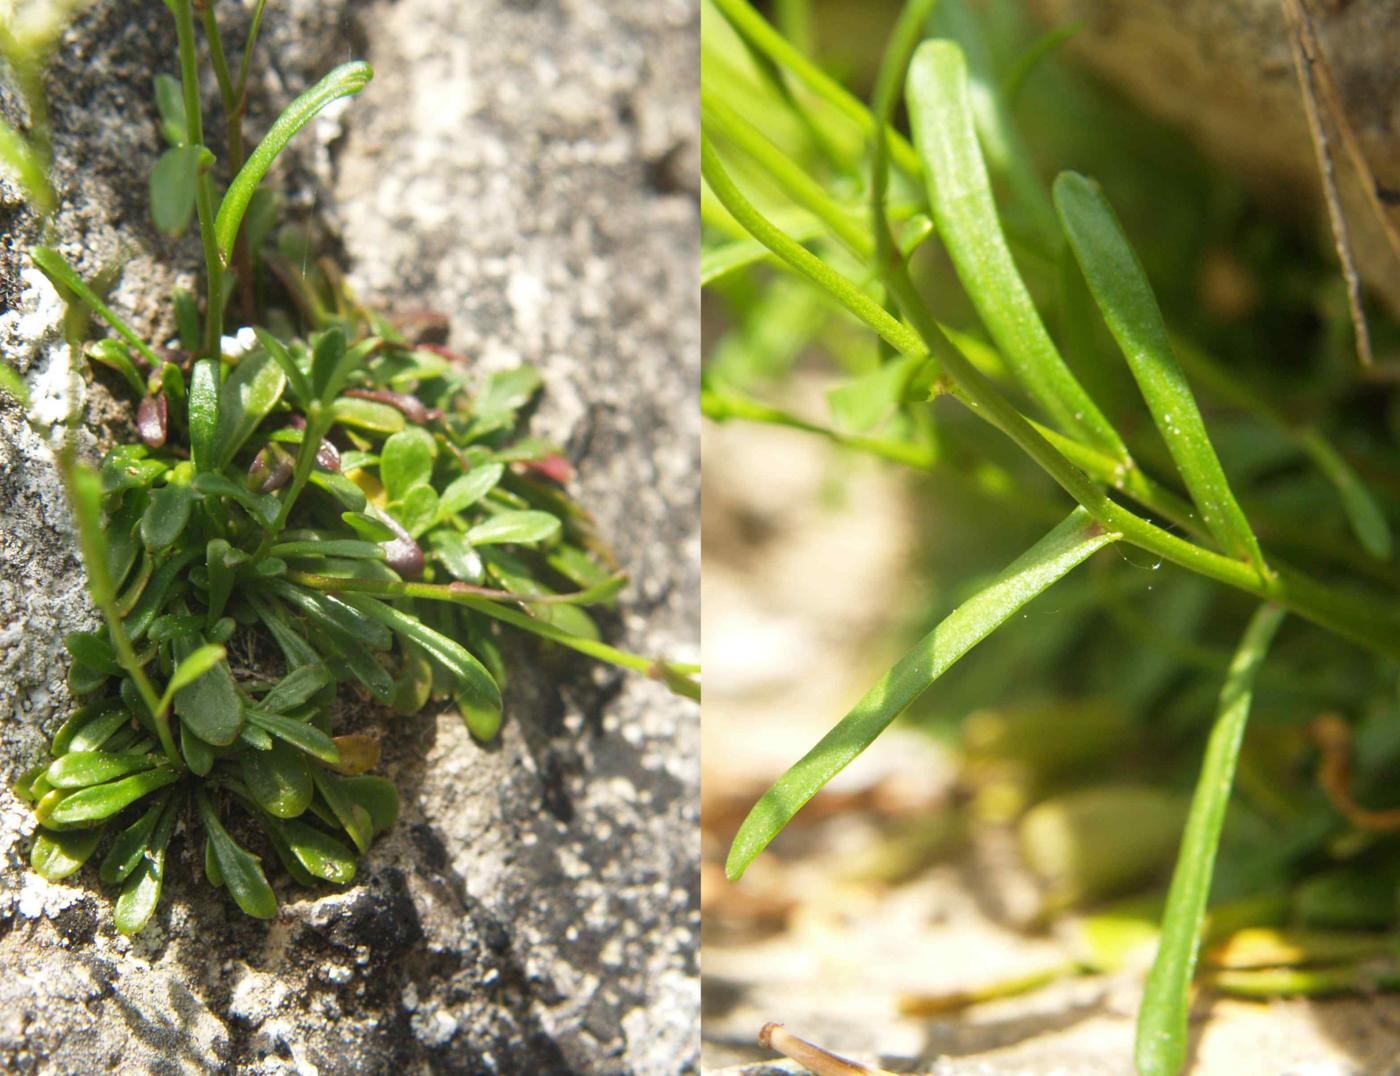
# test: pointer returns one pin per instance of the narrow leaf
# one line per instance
(465, 491)
(127, 850)
(141, 892)
(294, 689)
(349, 78)
(1161, 1027)
(967, 625)
(208, 705)
(166, 517)
(241, 870)
(960, 194)
(297, 733)
(1119, 285)
(279, 780)
(248, 396)
(204, 414)
(1365, 515)
(172, 187)
(79, 769)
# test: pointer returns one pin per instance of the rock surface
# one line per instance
(526, 168)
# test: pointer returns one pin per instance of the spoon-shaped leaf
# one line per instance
(297, 733)
(347, 79)
(279, 780)
(166, 516)
(966, 626)
(141, 893)
(1161, 1027)
(103, 801)
(960, 194)
(240, 869)
(294, 689)
(1119, 285)
(208, 704)
(57, 854)
(172, 189)
(204, 414)
(125, 854)
(465, 491)
(79, 769)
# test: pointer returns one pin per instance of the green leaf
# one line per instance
(170, 103)
(417, 511)
(327, 349)
(172, 187)
(126, 467)
(279, 780)
(320, 854)
(329, 547)
(465, 491)
(166, 516)
(130, 846)
(369, 528)
(1120, 287)
(117, 355)
(349, 78)
(296, 376)
(508, 391)
(241, 870)
(1161, 1027)
(248, 396)
(862, 403)
(519, 527)
(349, 495)
(336, 614)
(102, 801)
(484, 723)
(377, 795)
(261, 506)
(57, 854)
(297, 733)
(89, 728)
(352, 816)
(1048, 560)
(187, 325)
(368, 415)
(56, 268)
(960, 194)
(1365, 515)
(92, 649)
(294, 689)
(475, 681)
(79, 769)
(141, 892)
(407, 461)
(209, 706)
(457, 555)
(204, 414)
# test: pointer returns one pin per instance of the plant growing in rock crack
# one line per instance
(318, 480)
(773, 123)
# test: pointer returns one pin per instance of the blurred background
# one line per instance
(978, 892)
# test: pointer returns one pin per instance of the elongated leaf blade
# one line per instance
(241, 870)
(347, 79)
(471, 674)
(521, 527)
(1161, 1028)
(209, 705)
(204, 414)
(297, 733)
(1120, 286)
(1045, 562)
(79, 769)
(141, 892)
(57, 854)
(248, 396)
(103, 801)
(960, 194)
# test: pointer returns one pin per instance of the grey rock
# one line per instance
(528, 169)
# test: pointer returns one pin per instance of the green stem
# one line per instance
(204, 186)
(493, 609)
(1363, 621)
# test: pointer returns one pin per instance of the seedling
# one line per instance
(317, 491)
(801, 176)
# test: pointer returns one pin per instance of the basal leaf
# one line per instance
(130, 846)
(209, 706)
(172, 189)
(241, 870)
(58, 853)
(297, 733)
(102, 801)
(167, 516)
(204, 414)
(141, 892)
(79, 769)
(279, 780)
(295, 688)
